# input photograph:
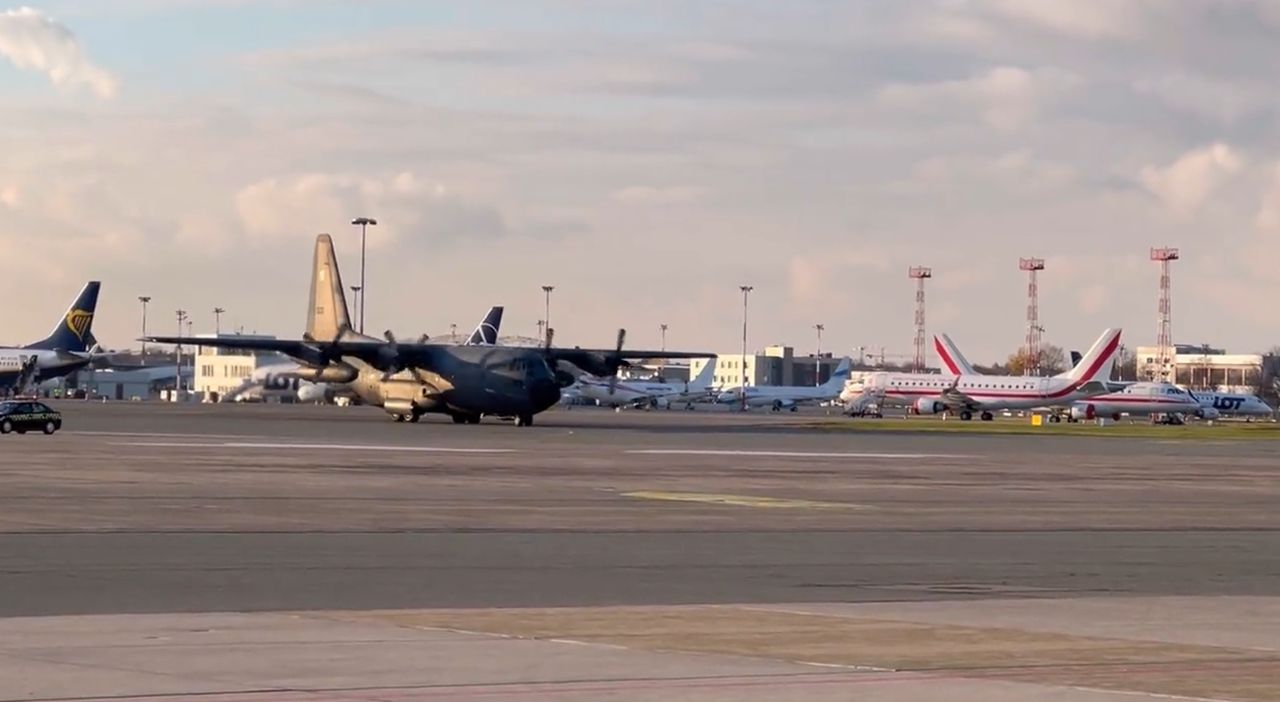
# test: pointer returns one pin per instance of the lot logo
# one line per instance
(1228, 404)
(78, 322)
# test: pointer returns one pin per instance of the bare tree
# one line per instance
(1053, 360)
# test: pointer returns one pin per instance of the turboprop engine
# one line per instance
(927, 406)
(339, 372)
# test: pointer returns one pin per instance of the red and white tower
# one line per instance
(920, 274)
(1164, 371)
(1034, 331)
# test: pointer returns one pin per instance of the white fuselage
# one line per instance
(49, 364)
(984, 392)
(1232, 404)
(633, 392)
(1139, 399)
(778, 395)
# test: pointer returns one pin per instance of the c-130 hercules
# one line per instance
(409, 380)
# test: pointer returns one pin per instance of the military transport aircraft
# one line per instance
(411, 379)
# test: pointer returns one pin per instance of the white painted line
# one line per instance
(789, 454)
(307, 447)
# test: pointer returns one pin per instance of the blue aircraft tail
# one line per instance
(73, 332)
(487, 333)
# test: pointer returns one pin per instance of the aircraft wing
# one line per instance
(381, 355)
(603, 362)
(289, 347)
(954, 399)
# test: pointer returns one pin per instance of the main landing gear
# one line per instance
(524, 420)
(463, 418)
(966, 415)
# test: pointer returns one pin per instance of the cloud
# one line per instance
(32, 40)
(649, 195)
(1185, 184)
(1268, 217)
(1005, 97)
(406, 205)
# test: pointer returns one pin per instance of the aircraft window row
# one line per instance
(993, 386)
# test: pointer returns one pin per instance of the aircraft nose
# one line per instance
(544, 392)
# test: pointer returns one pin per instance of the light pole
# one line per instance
(662, 370)
(144, 299)
(817, 360)
(746, 290)
(453, 332)
(546, 317)
(217, 321)
(182, 317)
(355, 294)
(541, 324)
(363, 223)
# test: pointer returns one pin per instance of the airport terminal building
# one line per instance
(775, 365)
(1207, 368)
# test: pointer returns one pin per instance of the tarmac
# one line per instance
(254, 553)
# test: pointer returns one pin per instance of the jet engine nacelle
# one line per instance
(332, 373)
(1208, 413)
(1085, 412)
(314, 393)
(926, 406)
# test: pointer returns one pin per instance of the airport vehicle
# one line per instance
(408, 380)
(966, 394)
(289, 379)
(789, 397)
(68, 347)
(645, 393)
(28, 415)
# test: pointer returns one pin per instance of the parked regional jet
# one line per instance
(411, 379)
(780, 397)
(965, 394)
(644, 393)
(1218, 404)
(1137, 400)
(67, 348)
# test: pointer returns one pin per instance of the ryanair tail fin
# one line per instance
(74, 331)
(327, 319)
(1098, 362)
(486, 334)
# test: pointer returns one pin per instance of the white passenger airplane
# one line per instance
(780, 397)
(1138, 400)
(643, 393)
(966, 393)
(1134, 398)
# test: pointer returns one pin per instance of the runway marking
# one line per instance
(307, 447)
(740, 500)
(789, 454)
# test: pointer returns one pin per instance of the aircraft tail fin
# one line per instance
(327, 318)
(1098, 362)
(952, 360)
(705, 377)
(840, 375)
(73, 332)
(486, 334)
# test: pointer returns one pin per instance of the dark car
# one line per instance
(23, 416)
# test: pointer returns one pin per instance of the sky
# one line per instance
(647, 157)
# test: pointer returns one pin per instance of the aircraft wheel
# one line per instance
(987, 416)
(50, 427)
(473, 419)
(6, 427)
(524, 420)
(965, 415)
(415, 417)
(1054, 419)
(458, 418)
(397, 418)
